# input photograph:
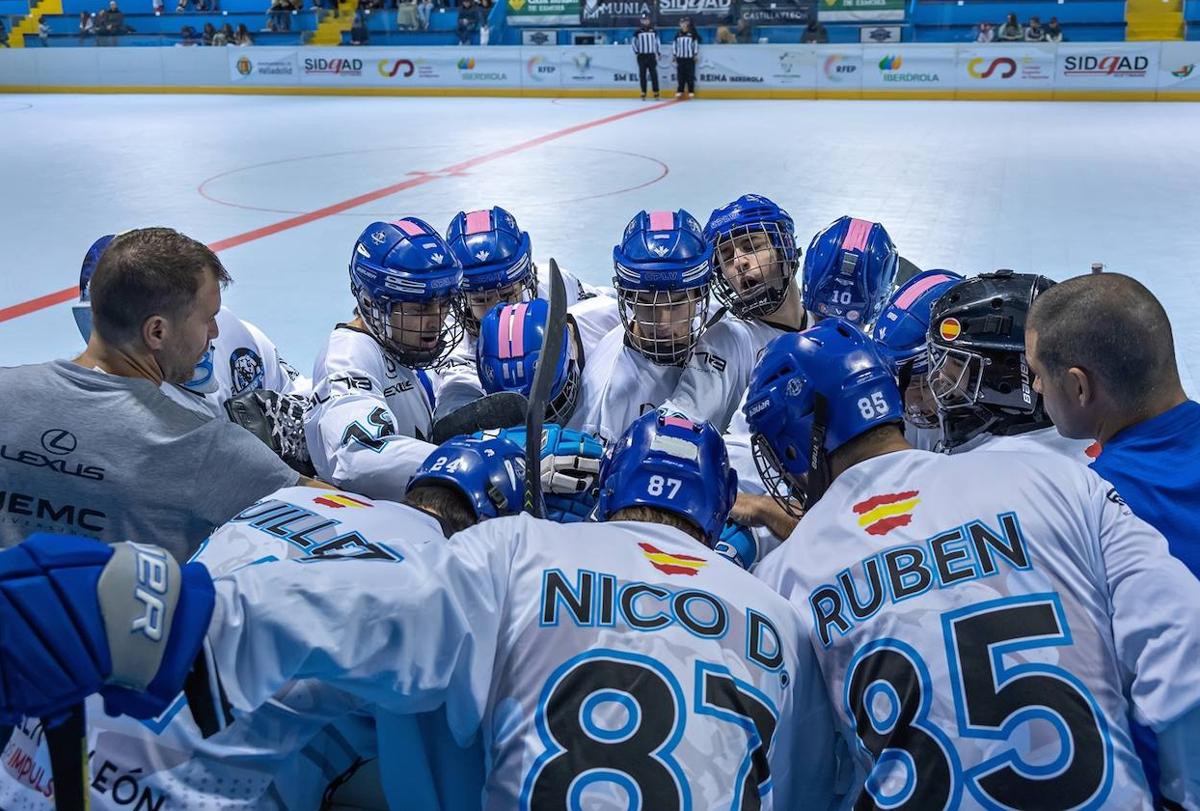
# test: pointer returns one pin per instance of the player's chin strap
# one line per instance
(818, 461)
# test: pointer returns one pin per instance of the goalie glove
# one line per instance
(278, 420)
(78, 616)
(570, 468)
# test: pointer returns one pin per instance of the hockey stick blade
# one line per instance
(539, 393)
(67, 743)
(503, 409)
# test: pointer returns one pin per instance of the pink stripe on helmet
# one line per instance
(913, 293)
(856, 235)
(513, 345)
(409, 227)
(479, 222)
(662, 220)
(679, 422)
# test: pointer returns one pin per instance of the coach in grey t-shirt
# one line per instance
(92, 447)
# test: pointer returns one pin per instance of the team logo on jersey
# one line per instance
(949, 329)
(668, 563)
(879, 515)
(246, 370)
(379, 237)
(338, 501)
(482, 255)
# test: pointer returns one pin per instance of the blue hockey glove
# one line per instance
(570, 466)
(738, 544)
(78, 616)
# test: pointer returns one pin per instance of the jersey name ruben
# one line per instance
(954, 556)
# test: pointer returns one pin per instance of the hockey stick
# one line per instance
(539, 392)
(67, 743)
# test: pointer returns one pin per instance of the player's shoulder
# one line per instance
(349, 348)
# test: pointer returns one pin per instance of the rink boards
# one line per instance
(1068, 71)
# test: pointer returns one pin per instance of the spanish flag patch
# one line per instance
(668, 563)
(879, 515)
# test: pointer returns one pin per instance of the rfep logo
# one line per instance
(539, 69)
(390, 67)
(1007, 66)
(839, 68)
(1113, 65)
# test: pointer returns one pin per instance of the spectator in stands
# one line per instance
(116, 19)
(182, 5)
(358, 31)
(468, 21)
(743, 33)
(406, 15)
(815, 34)
(224, 36)
(725, 36)
(985, 32)
(3, 34)
(155, 295)
(85, 25)
(484, 10)
(44, 32)
(1053, 31)
(1035, 32)
(424, 13)
(1011, 30)
(243, 38)
(100, 24)
(280, 16)
(206, 36)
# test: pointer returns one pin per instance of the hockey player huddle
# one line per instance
(811, 542)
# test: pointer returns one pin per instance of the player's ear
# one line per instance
(1079, 387)
(155, 330)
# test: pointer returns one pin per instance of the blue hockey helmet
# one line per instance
(849, 270)
(755, 253)
(810, 393)
(663, 268)
(903, 326)
(511, 337)
(405, 280)
(901, 333)
(666, 461)
(497, 262)
(82, 310)
(490, 473)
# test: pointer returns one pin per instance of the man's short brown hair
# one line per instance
(1112, 327)
(654, 515)
(147, 272)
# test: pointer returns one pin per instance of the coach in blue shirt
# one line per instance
(1101, 351)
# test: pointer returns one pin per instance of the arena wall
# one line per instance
(1068, 71)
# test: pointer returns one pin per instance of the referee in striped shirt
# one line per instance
(687, 48)
(645, 45)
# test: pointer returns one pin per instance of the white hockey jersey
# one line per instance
(985, 622)
(370, 417)
(1043, 440)
(713, 385)
(243, 358)
(602, 662)
(619, 385)
(284, 755)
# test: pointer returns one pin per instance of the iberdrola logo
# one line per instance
(890, 63)
(466, 63)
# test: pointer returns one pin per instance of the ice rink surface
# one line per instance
(282, 186)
